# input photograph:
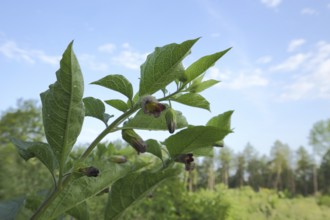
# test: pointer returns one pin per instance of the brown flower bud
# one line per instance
(132, 138)
(170, 117)
(89, 171)
(187, 159)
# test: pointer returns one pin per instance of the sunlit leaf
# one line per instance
(163, 66)
(117, 83)
(40, 150)
(132, 188)
(201, 65)
(63, 108)
(196, 88)
(148, 122)
(221, 120)
(193, 138)
(82, 188)
(193, 99)
(95, 108)
(154, 148)
(118, 104)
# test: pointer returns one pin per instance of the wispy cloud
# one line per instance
(107, 48)
(291, 63)
(295, 44)
(91, 62)
(129, 57)
(239, 80)
(308, 11)
(312, 77)
(11, 50)
(271, 3)
(264, 59)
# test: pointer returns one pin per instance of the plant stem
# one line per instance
(109, 129)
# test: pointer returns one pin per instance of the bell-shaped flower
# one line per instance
(132, 138)
(170, 117)
(151, 106)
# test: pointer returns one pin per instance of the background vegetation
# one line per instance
(285, 184)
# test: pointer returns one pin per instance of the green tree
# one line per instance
(280, 154)
(23, 122)
(304, 170)
(225, 159)
(319, 139)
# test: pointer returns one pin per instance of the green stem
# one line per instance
(108, 130)
(66, 179)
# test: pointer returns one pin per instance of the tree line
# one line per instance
(305, 171)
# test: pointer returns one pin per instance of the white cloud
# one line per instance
(271, 3)
(10, 50)
(92, 64)
(107, 48)
(313, 76)
(290, 64)
(129, 58)
(308, 11)
(239, 80)
(264, 60)
(295, 44)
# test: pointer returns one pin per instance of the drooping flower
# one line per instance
(151, 106)
(89, 171)
(170, 117)
(132, 138)
(187, 159)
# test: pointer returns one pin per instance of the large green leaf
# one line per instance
(80, 211)
(132, 188)
(147, 122)
(118, 83)
(154, 147)
(82, 188)
(95, 108)
(40, 150)
(193, 138)
(163, 66)
(201, 86)
(221, 121)
(62, 107)
(118, 104)
(193, 99)
(201, 65)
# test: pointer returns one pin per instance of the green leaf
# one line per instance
(196, 88)
(154, 148)
(63, 108)
(9, 209)
(193, 99)
(117, 83)
(81, 189)
(221, 121)
(148, 122)
(201, 65)
(80, 211)
(95, 108)
(118, 104)
(42, 151)
(132, 188)
(163, 66)
(193, 138)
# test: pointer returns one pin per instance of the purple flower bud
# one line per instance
(134, 140)
(151, 106)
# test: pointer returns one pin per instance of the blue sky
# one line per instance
(276, 77)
